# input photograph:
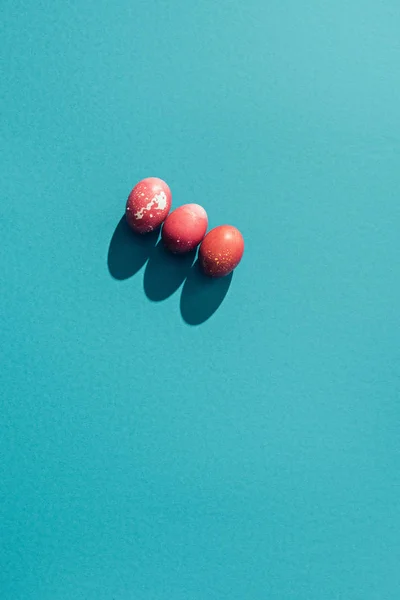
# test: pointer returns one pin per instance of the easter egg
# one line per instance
(184, 228)
(221, 251)
(148, 205)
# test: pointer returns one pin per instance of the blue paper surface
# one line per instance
(162, 437)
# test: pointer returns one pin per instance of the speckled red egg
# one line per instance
(148, 204)
(221, 251)
(184, 228)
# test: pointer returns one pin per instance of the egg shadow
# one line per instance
(165, 272)
(128, 251)
(202, 296)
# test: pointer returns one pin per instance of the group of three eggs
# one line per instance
(148, 206)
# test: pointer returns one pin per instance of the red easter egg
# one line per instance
(148, 204)
(184, 228)
(221, 251)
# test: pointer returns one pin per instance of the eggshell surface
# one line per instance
(184, 228)
(148, 205)
(221, 251)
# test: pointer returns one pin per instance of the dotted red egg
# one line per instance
(221, 251)
(184, 228)
(148, 204)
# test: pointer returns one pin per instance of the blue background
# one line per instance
(207, 442)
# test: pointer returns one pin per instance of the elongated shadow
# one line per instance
(202, 296)
(165, 272)
(128, 251)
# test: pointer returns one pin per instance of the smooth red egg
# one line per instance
(221, 251)
(148, 204)
(184, 228)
